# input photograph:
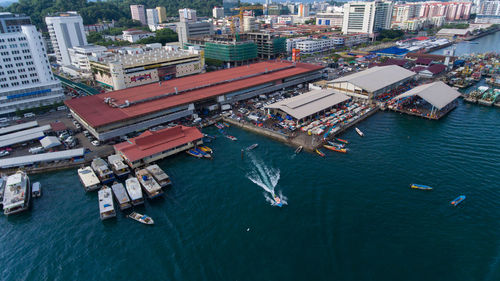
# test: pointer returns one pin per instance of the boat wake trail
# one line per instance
(267, 178)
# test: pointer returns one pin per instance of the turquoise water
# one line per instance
(349, 217)
(488, 43)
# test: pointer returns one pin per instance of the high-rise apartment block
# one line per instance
(152, 16)
(366, 17)
(138, 13)
(66, 31)
(12, 22)
(162, 14)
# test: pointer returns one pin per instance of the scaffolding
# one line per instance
(231, 51)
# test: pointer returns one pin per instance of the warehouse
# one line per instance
(370, 83)
(118, 113)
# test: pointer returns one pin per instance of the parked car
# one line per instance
(4, 153)
(95, 143)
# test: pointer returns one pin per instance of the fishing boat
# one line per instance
(333, 148)
(88, 179)
(342, 141)
(253, 146)
(102, 170)
(106, 205)
(320, 153)
(458, 200)
(231, 138)
(206, 149)
(299, 149)
(203, 153)
(159, 175)
(225, 124)
(134, 191)
(194, 153)
(359, 132)
(119, 168)
(145, 219)
(17, 193)
(121, 196)
(148, 183)
(277, 201)
(420, 186)
(36, 190)
(337, 145)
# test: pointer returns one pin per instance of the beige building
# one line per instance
(162, 14)
(121, 71)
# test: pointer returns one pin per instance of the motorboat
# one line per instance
(145, 219)
(253, 146)
(102, 170)
(148, 183)
(277, 201)
(194, 153)
(458, 200)
(206, 149)
(359, 132)
(231, 138)
(134, 191)
(420, 186)
(320, 153)
(106, 205)
(88, 179)
(299, 149)
(333, 148)
(342, 141)
(119, 168)
(36, 190)
(121, 196)
(159, 175)
(17, 193)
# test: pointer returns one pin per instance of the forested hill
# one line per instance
(93, 12)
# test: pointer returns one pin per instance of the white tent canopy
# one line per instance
(437, 93)
(49, 142)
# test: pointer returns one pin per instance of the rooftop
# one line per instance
(152, 142)
(44, 157)
(437, 93)
(198, 87)
(378, 77)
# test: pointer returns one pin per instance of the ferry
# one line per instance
(458, 200)
(420, 186)
(17, 193)
(119, 168)
(333, 148)
(36, 190)
(320, 153)
(121, 196)
(206, 149)
(88, 179)
(159, 175)
(102, 170)
(148, 183)
(342, 141)
(231, 138)
(145, 219)
(253, 146)
(106, 205)
(277, 201)
(299, 149)
(359, 132)
(194, 153)
(134, 191)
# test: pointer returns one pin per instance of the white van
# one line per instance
(29, 115)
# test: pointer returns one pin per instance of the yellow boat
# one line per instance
(206, 149)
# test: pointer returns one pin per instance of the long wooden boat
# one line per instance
(194, 153)
(342, 140)
(333, 148)
(420, 186)
(320, 153)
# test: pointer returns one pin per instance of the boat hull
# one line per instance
(420, 186)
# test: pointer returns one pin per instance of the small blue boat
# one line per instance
(458, 200)
(203, 153)
(194, 153)
(337, 145)
(420, 186)
(277, 201)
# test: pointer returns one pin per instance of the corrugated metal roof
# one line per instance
(44, 157)
(18, 127)
(24, 132)
(437, 93)
(22, 139)
(377, 77)
(309, 103)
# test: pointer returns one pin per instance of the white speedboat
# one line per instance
(159, 175)
(359, 132)
(106, 205)
(121, 196)
(17, 193)
(145, 219)
(134, 191)
(88, 179)
(148, 183)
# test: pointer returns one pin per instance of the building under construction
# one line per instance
(231, 52)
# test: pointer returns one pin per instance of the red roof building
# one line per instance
(155, 145)
(58, 126)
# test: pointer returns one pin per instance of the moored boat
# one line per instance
(320, 153)
(458, 200)
(17, 193)
(88, 179)
(299, 149)
(134, 191)
(148, 183)
(3, 180)
(102, 170)
(119, 168)
(194, 153)
(145, 219)
(359, 132)
(159, 175)
(121, 196)
(206, 149)
(420, 186)
(342, 140)
(106, 205)
(36, 189)
(337, 145)
(231, 138)
(203, 153)
(333, 148)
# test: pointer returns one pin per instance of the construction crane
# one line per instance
(240, 15)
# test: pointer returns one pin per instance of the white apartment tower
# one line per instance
(218, 12)
(66, 31)
(366, 17)
(153, 17)
(187, 15)
(138, 13)
(26, 80)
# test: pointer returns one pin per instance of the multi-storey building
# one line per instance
(366, 17)
(138, 13)
(330, 19)
(218, 12)
(303, 10)
(416, 15)
(152, 16)
(162, 14)
(66, 31)
(12, 22)
(187, 15)
(80, 55)
(26, 80)
(489, 12)
(315, 46)
(269, 45)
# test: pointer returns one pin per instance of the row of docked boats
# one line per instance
(200, 152)
(339, 145)
(221, 127)
(454, 202)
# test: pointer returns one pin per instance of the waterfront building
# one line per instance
(138, 13)
(489, 12)
(370, 83)
(121, 71)
(308, 105)
(66, 31)
(218, 12)
(152, 16)
(134, 35)
(330, 19)
(26, 79)
(152, 146)
(417, 15)
(366, 17)
(118, 113)
(162, 14)
(12, 22)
